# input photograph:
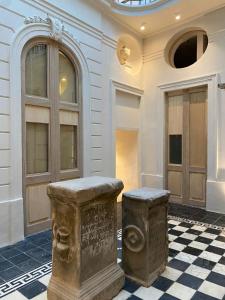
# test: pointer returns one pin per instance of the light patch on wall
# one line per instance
(127, 158)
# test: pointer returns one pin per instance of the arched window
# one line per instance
(52, 109)
(187, 49)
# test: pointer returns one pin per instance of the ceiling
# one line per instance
(164, 17)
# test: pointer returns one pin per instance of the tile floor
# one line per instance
(195, 270)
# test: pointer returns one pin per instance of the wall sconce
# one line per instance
(124, 54)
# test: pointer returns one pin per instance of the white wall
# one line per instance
(127, 111)
(87, 34)
(159, 76)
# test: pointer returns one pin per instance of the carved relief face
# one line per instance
(63, 232)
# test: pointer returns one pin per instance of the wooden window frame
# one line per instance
(54, 105)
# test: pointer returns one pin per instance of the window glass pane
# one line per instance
(36, 71)
(68, 144)
(186, 53)
(175, 149)
(37, 147)
(67, 79)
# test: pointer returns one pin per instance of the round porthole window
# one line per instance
(188, 48)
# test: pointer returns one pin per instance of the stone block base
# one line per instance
(103, 286)
(152, 277)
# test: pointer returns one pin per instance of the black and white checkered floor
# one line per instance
(195, 270)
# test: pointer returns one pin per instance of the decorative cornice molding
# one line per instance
(188, 82)
(57, 28)
(36, 19)
(149, 56)
(109, 41)
(127, 88)
(217, 34)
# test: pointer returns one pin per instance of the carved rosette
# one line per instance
(133, 238)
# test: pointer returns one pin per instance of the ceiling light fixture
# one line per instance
(177, 17)
(142, 27)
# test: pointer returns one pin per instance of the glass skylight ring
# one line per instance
(135, 3)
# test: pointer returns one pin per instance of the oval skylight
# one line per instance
(136, 3)
(137, 7)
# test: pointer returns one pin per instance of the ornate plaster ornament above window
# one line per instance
(57, 28)
(36, 19)
(56, 25)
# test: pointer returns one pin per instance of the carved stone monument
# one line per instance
(145, 235)
(85, 239)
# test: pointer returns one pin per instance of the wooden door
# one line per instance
(51, 114)
(186, 146)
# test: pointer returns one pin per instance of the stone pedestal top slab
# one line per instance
(150, 196)
(84, 189)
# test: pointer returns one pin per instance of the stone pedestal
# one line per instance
(85, 239)
(145, 235)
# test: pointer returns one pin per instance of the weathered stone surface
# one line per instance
(85, 239)
(145, 237)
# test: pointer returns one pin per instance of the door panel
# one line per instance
(37, 165)
(68, 117)
(197, 186)
(175, 145)
(175, 115)
(38, 203)
(186, 141)
(197, 127)
(175, 183)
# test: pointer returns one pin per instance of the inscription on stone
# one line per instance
(97, 235)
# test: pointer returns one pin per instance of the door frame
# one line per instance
(211, 82)
(184, 167)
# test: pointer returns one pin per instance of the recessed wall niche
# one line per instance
(186, 48)
(129, 53)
